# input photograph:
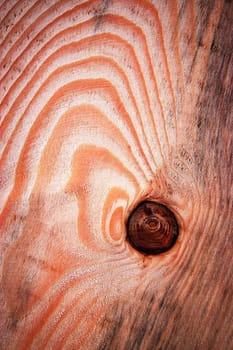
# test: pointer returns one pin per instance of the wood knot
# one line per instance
(152, 228)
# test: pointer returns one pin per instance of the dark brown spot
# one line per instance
(152, 228)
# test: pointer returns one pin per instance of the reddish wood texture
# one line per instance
(152, 228)
(105, 104)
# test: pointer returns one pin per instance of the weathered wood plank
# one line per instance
(105, 104)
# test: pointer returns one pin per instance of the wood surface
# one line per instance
(105, 104)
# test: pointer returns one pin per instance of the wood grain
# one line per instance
(105, 104)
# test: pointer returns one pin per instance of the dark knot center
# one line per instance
(152, 228)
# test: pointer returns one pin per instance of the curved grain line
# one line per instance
(53, 10)
(35, 78)
(154, 18)
(38, 325)
(25, 74)
(36, 16)
(85, 207)
(5, 7)
(42, 118)
(115, 195)
(13, 10)
(28, 87)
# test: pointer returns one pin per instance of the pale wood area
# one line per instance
(104, 104)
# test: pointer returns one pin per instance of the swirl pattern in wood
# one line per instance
(106, 103)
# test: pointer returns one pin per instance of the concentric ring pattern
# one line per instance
(96, 112)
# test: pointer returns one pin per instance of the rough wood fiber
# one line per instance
(105, 104)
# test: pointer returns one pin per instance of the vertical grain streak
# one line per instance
(204, 10)
(215, 102)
